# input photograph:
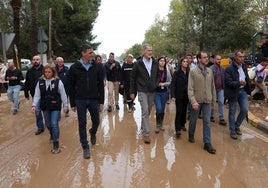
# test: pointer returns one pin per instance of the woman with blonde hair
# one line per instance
(50, 91)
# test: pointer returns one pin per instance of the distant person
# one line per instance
(237, 89)
(211, 61)
(86, 94)
(179, 85)
(218, 72)
(260, 78)
(202, 94)
(125, 83)
(3, 70)
(264, 47)
(113, 72)
(162, 93)
(14, 76)
(62, 72)
(32, 76)
(98, 59)
(144, 80)
(50, 93)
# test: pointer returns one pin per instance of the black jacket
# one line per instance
(114, 74)
(232, 83)
(140, 81)
(32, 77)
(179, 85)
(86, 84)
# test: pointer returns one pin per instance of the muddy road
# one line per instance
(121, 159)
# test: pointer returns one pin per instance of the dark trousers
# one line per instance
(82, 106)
(181, 110)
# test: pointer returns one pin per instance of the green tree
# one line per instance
(72, 25)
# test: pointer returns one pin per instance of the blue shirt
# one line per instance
(86, 65)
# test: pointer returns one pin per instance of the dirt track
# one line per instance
(121, 159)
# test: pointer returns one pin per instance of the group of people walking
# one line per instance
(193, 87)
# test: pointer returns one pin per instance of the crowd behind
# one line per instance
(195, 83)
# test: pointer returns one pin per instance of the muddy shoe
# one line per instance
(222, 122)
(86, 154)
(109, 108)
(93, 138)
(178, 134)
(209, 148)
(157, 130)
(56, 148)
(238, 131)
(146, 140)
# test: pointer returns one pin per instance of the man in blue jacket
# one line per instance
(86, 93)
(237, 87)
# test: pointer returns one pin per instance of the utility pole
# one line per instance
(50, 36)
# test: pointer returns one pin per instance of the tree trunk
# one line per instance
(34, 7)
(16, 5)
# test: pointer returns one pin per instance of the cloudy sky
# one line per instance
(122, 23)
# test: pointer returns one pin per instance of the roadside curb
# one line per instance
(256, 122)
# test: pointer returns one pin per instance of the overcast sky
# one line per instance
(122, 23)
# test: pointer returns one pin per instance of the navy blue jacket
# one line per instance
(232, 83)
(63, 75)
(86, 84)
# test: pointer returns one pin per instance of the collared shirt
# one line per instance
(242, 76)
(148, 65)
(86, 65)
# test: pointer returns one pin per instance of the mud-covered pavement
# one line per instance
(121, 159)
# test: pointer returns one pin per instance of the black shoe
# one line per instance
(233, 136)
(92, 137)
(222, 122)
(117, 107)
(212, 119)
(109, 108)
(56, 148)
(191, 138)
(15, 112)
(184, 129)
(178, 134)
(238, 131)
(86, 154)
(209, 148)
(39, 131)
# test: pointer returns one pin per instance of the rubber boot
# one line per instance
(161, 121)
(158, 122)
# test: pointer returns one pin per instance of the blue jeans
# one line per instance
(160, 100)
(52, 122)
(220, 99)
(13, 93)
(39, 117)
(82, 106)
(146, 101)
(206, 111)
(242, 100)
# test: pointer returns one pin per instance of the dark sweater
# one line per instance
(16, 73)
(32, 76)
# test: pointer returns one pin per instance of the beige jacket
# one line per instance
(3, 70)
(201, 89)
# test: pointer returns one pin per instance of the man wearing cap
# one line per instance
(126, 72)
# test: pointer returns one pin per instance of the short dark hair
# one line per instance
(111, 53)
(85, 47)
